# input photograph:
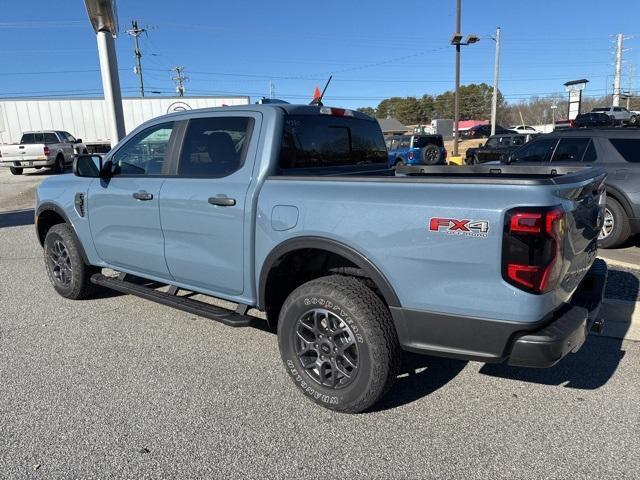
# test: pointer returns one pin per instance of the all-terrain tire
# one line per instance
(620, 231)
(371, 330)
(79, 285)
(16, 170)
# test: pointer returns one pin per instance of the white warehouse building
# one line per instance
(86, 118)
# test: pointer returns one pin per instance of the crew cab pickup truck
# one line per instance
(49, 148)
(291, 210)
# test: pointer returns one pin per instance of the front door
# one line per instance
(124, 212)
(203, 209)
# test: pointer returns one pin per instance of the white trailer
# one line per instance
(86, 118)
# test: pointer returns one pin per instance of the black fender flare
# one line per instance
(49, 206)
(333, 246)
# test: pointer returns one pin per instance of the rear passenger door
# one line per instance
(203, 208)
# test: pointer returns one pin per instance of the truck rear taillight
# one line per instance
(410, 155)
(46, 151)
(532, 248)
(336, 112)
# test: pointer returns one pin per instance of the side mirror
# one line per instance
(78, 140)
(88, 166)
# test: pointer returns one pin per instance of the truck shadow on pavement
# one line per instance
(420, 375)
(598, 359)
(16, 218)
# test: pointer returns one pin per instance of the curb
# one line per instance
(622, 319)
(620, 263)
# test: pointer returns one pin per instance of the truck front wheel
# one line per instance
(338, 343)
(66, 269)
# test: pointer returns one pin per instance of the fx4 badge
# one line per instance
(452, 226)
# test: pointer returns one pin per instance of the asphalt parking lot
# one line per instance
(121, 387)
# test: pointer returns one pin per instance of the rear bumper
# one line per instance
(27, 162)
(541, 344)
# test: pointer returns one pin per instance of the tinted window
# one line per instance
(325, 141)
(421, 142)
(590, 155)
(67, 136)
(51, 138)
(404, 142)
(519, 140)
(629, 148)
(599, 109)
(535, 151)
(145, 153)
(28, 138)
(214, 147)
(570, 149)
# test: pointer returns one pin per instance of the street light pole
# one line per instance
(456, 100)
(496, 74)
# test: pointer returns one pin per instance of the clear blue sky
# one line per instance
(374, 49)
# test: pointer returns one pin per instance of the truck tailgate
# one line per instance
(30, 151)
(585, 217)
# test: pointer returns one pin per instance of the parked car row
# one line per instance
(496, 147)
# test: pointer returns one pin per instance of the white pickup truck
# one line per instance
(47, 148)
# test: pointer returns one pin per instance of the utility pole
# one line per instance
(496, 74)
(272, 89)
(630, 85)
(180, 80)
(616, 80)
(135, 32)
(456, 101)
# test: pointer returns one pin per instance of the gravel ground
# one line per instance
(118, 387)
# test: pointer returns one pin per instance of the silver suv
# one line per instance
(619, 115)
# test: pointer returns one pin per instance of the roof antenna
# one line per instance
(317, 96)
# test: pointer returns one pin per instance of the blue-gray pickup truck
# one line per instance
(292, 210)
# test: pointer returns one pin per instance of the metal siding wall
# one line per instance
(87, 118)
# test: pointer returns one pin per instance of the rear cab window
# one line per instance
(30, 138)
(326, 144)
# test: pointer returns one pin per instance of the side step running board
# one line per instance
(196, 307)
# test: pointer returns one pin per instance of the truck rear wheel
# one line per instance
(58, 166)
(338, 343)
(616, 229)
(66, 269)
(16, 170)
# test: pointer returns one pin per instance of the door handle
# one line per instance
(142, 195)
(222, 201)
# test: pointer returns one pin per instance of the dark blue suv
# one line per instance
(416, 150)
